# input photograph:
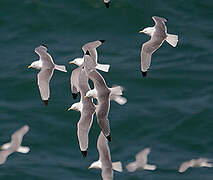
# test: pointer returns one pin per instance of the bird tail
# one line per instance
(117, 166)
(119, 99)
(117, 90)
(60, 68)
(103, 67)
(172, 39)
(23, 149)
(150, 167)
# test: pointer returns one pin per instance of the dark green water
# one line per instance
(170, 110)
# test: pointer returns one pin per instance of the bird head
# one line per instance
(149, 31)
(35, 64)
(76, 107)
(77, 61)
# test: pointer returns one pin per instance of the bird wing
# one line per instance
(74, 80)
(147, 50)
(107, 173)
(160, 24)
(104, 152)
(141, 157)
(91, 47)
(45, 57)
(44, 77)
(185, 165)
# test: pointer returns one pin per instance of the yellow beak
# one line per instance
(69, 109)
(29, 66)
(85, 96)
(71, 62)
(141, 31)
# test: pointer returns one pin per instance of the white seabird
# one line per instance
(91, 47)
(141, 162)
(87, 109)
(201, 162)
(103, 92)
(104, 161)
(14, 145)
(46, 66)
(158, 35)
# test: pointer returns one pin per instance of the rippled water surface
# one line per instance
(169, 111)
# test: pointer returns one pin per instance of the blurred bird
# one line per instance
(141, 162)
(104, 161)
(201, 162)
(14, 145)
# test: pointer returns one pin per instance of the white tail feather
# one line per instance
(103, 67)
(5, 146)
(119, 99)
(60, 68)
(117, 90)
(23, 149)
(172, 39)
(150, 167)
(117, 166)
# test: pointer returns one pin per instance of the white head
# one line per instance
(96, 164)
(91, 93)
(5, 146)
(149, 31)
(76, 107)
(77, 61)
(36, 65)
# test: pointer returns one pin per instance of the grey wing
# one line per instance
(84, 125)
(107, 173)
(44, 77)
(104, 152)
(16, 138)
(102, 111)
(45, 57)
(4, 154)
(141, 157)
(91, 47)
(160, 24)
(74, 80)
(147, 50)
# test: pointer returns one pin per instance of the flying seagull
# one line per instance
(91, 47)
(141, 162)
(14, 145)
(87, 109)
(158, 35)
(106, 2)
(46, 66)
(103, 92)
(104, 161)
(201, 162)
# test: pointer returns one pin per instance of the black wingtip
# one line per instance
(107, 5)
(87, 52)
(109, 138)
(144, 73)
(74, 95)
(45, 45)
(45, 102)
(84, 153)
(102, 41)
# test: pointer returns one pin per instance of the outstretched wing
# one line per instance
(44, 77)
